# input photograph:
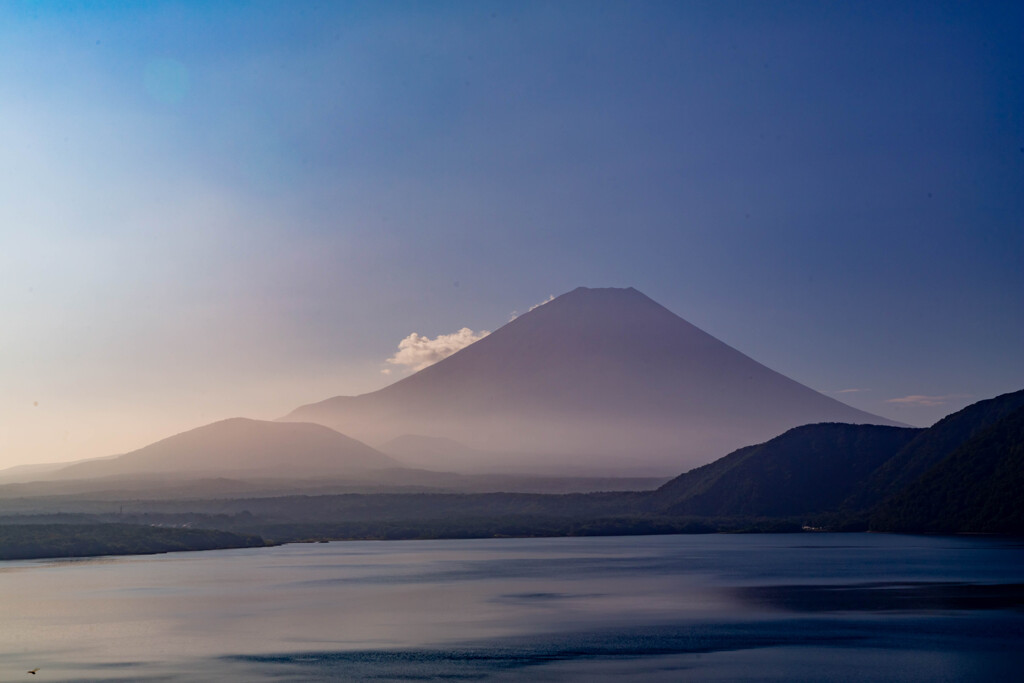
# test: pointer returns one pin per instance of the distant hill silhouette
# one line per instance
(241, 447)
(806, 476)
(808, 469)
(595, 381)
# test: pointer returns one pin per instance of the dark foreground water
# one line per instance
(802, 607)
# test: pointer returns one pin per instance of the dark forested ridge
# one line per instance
(31, 541)
(965, 474)
(930, 447)
(978, 488)
(808, 469)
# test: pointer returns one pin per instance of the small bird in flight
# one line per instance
(33, 671)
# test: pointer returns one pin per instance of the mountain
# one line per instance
(808, 469)
(601, 379)
(977, 488)
(241, 447)
(932, 446)
(802, 476)
(963, 474)
(420, 448)
(23, 473)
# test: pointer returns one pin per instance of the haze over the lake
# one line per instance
(237, 209)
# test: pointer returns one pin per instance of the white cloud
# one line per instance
(416, 351)
(925, 401)
(515, 314)
(551, 297)
(849, 391)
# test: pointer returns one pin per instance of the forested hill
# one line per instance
(978, 488)
(962, 474)
(930, 447)
(809, 469)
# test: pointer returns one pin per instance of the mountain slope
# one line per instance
(241, 447)
(600, 378)
(932, 446)
(978, 488)
(809, 469)
(964, 474)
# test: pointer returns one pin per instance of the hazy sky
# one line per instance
(220, 209)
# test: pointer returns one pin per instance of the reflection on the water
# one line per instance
(663, 608)
(886, 596)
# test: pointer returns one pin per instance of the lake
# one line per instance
(796, 607)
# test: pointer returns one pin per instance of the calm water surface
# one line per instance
(801, 607)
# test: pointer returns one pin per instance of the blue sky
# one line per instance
(218, 209)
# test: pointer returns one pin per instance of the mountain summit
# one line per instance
(598, 380)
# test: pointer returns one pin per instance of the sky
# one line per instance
(218, 209)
